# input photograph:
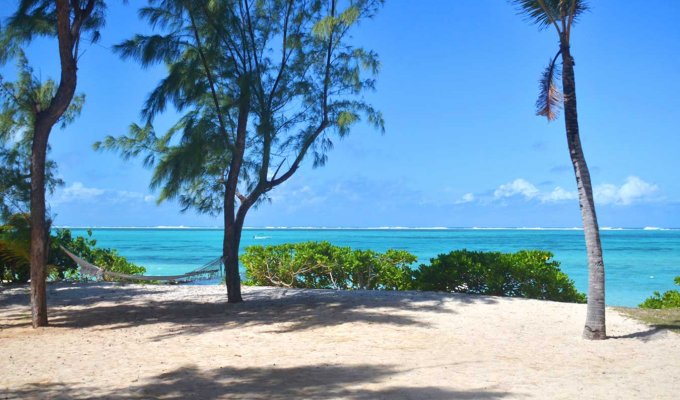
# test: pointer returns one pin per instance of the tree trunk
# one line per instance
(233, 222)
(595, 319)
(39, 231)
(230, 246)
(67, 36)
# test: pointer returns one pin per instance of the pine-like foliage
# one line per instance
(262, 85)
(38, 18)
(19, 102)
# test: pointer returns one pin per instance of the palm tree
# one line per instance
(561, 14)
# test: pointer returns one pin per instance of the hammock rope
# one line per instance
(211, 270)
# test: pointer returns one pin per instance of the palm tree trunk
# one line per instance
(595, 318)
(39, 231)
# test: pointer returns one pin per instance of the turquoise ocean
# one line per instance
(637, 261)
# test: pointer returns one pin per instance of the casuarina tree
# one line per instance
(260, 85)
(70, 22)
(561, 15)
(18, 100)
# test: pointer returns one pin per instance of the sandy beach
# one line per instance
(109, 341)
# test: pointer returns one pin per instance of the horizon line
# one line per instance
(431, 228)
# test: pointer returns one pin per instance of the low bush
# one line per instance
(15, 241)
(527, 273)
(62, 267)
(669, 299)
(320, 265)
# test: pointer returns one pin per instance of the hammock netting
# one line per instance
(211, 270)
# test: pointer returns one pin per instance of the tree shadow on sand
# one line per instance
(114, 306)
(308, 382)
(67, 293)
(655, 332)
(15, 302)
(292, 310)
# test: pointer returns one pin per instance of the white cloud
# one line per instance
(467, 198)
(518, 187)
(77, 192)
(558, 194)
(633, 190)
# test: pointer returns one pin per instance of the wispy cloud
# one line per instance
(355, 193)
(467, 198)
(77, 192)
(294, 196)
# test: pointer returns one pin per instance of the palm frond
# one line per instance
(15, 252)
(15, 244)
(535, 12)
(550, 96)
(546, 12)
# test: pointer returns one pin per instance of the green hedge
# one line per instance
(527, 273)
(320, 265)
(670, 299)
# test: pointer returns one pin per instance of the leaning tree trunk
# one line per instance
(39, 231)
(595, 318)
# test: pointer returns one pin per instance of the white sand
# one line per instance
(177, 342)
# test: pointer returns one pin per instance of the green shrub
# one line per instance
(320, 265)
(670, 299)
(532, 274)
(62, 267)
(15, 242)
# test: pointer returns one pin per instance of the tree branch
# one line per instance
(284, 56)
(324, 121)
(209, 75)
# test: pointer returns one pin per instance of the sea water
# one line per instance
(637, 261)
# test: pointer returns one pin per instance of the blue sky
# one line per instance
(462, 145)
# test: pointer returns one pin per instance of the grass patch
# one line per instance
(667, 318)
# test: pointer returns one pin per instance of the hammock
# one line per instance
(210, 270)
